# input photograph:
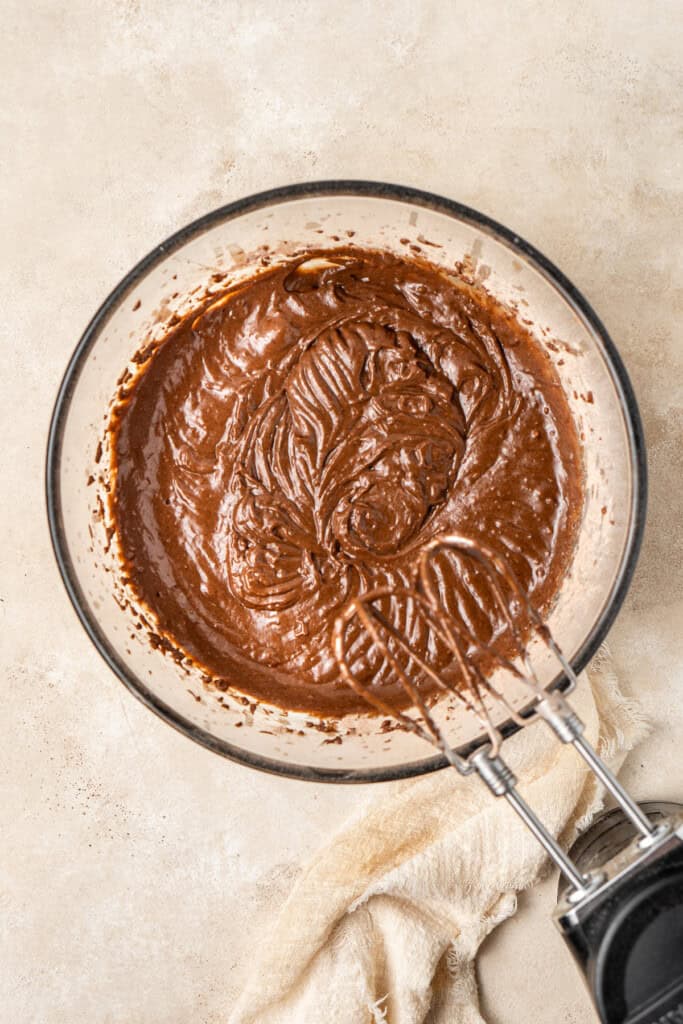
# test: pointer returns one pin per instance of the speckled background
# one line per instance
(138, 871)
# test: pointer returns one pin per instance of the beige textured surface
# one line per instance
(124, 845)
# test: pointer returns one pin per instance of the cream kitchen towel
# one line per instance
(385, 922)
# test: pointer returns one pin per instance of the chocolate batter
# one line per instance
(297, 439)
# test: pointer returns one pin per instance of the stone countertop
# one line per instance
(139, 870)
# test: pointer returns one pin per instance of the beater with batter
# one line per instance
(623, 922)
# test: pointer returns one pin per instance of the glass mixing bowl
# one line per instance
(326, 214)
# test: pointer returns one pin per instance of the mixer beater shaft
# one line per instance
(472, 686)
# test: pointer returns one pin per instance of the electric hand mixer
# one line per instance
(621, 906)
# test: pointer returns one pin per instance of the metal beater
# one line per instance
(622, 918)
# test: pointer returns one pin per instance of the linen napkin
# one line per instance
(384, 923)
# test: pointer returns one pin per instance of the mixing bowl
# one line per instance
(231, 241)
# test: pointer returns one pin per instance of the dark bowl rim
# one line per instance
(370, 189)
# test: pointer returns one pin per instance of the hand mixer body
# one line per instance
(626, 935)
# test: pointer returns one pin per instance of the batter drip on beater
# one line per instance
(298, 440)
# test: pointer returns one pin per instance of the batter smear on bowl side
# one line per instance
(294, 442)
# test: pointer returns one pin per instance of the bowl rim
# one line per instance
(260, 200)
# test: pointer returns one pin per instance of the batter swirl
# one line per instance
(297, 439)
